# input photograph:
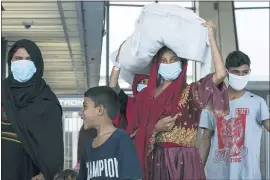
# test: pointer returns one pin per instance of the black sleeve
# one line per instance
(123, 101)
(82, 171)
(129, 166)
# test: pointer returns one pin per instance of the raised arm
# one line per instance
(220, 70)
(211, 92)
(114, 79)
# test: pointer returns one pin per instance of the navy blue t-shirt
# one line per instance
(116, 158)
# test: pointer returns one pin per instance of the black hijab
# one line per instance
(35, 114)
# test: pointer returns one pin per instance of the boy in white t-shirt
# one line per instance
(231, 144)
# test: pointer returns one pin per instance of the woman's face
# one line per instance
(169, 57)
(170, 65)
(20, 54)
(21, 66)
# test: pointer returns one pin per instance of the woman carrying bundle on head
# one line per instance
(128, 103)
(166, 149)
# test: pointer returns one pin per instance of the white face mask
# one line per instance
(171, 71)
(140, 87)
(23, 70)
(238, 83)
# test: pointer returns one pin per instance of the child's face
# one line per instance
(89, 113)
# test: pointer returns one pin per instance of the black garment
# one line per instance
(35, 115)
(122, 124)
(123, 97)
(15, 162)
(85, 135)
(115, 159)
(13, 154)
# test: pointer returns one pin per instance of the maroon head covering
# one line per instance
(132, 100)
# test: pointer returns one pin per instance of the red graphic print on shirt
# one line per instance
(231, 137)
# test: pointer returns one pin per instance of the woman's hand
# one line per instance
(133, 135)
(212, 31)
(165, 124)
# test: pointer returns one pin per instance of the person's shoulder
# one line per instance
(48, 95)
(48, 100)
(121, 134)
(254, 96)
(118, 138)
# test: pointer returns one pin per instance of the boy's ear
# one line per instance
(100, 110)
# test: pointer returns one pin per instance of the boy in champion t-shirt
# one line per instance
(111, 155)
(233, 142)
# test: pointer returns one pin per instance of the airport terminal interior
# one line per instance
(76, 39)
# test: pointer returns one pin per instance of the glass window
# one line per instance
(251, 4)
(253, 39)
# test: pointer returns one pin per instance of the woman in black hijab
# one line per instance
(31, 123)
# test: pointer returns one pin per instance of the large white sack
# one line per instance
(128, 75)
(176, 27)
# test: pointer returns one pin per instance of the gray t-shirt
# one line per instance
(235, 145)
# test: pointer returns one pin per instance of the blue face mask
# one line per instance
(140, 87)
(23, 70)
(170, 71)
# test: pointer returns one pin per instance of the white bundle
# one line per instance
(159, 25)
